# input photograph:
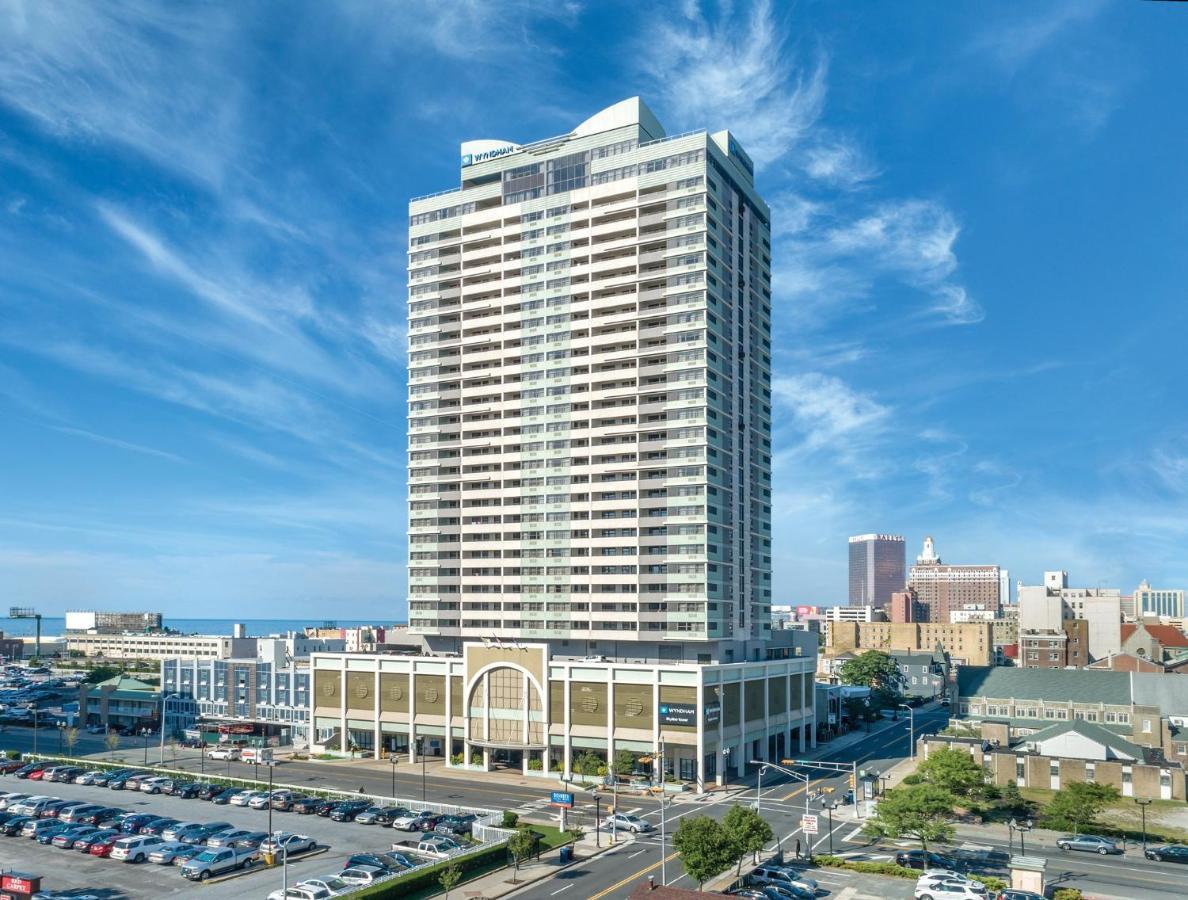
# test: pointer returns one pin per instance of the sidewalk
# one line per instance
(500, 883)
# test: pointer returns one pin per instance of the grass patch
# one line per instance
(550, 837)
(1123, 818)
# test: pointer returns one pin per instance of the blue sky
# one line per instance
(979, 218)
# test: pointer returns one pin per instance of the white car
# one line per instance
(153, 785)
(288, 842)
(625, 822)
(263, 800)
(331, 884)
(782, 876)
(362, 875)
(223, 753)
(948, 889)
(245, 797)
(301, 892)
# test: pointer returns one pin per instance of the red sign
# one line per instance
(802, 611)
(20, 884)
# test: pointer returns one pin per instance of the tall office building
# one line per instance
(975, 592)
(1149, 601)
(590, 396)
(876, 569)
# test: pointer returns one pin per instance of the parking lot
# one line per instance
(69, 870)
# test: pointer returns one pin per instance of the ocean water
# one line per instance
(55, 625)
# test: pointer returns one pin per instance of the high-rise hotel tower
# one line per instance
(590, 396)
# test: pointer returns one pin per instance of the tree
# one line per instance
(624, 762)
(449, 877)
(921, 811)
(1012, 799)
(953, 770)
(521, 845)
(70, 739)
(102, 673)
(746, 830)
(588, 764)
(1078, 805)
(704, 847)
(873, 669)
(111, 742)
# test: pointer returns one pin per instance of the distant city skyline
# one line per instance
(203, 266)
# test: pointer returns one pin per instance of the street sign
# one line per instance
(564, 799)
(808, 824)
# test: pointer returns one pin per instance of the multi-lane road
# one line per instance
(613, 874)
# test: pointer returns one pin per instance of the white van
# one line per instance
(135, 847)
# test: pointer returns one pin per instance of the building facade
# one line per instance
(158, 646)
(255, 697)
(1062, 648)
(516, 705)
(1149, 601)
(112, 622)
(876, 568)
(120, 703)
(970, 644)
(942, 589)
(590, 395)
(1044, 608)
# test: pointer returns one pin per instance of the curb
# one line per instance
(552, 871)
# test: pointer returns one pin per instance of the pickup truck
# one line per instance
(217, 862)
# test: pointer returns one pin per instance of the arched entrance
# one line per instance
(505, 718)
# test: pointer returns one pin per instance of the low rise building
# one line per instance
(1162, 644)
(11, 649)
(1061, 648)
(520, 706)
(157, 647)
(969, 644)
(120, 703)
(1043, 609)
(922, 675)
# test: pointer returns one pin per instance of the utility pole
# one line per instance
(663, 824)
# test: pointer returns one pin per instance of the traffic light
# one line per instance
(853, 783)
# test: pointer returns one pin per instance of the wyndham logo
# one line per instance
(471, 159)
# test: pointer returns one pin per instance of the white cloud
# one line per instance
(826, 409)
(839, 162)
(734, 71)
(117, 443)
(1012, 43)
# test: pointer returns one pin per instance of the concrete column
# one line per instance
(811, 702)
(610, 721)
(567, 752)
(412, 713)
(700, 748)
(526, 688)
(766, 757)
(744, 748)
(377, 740)
(656, 719)
(449, 716)
(344, 740)
(723, 762)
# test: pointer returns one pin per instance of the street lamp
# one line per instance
(392, 760)
(144, 733)
(911, 728)
(1143, 803)
(830, 806)
(663, 823)
(1021, 827)
(725, 766)
(421, 751)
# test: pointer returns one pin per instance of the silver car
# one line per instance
(1088, 843)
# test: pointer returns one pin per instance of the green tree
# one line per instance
(70, 739)
(102, 673)
(112, 743)
(521, 845)
(873, 669)
(449, 877)
(510, 819)
(704, 847)
(624, 762)
(1012, 799)
(921, 811)
(589, 764)
(953, 770)
(1077, 806)
(746, 830)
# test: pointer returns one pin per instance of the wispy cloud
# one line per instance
(1014, 42)
(727, 68)
(117, 443)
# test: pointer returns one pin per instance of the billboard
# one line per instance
(678, 714)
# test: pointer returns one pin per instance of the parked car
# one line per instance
(45, 835)
(15, 825)
(785, 892)
(1177, 853)
(1012, 894)
(84, 844)
(8, 800)
(243, 798)
(55, 809)
(65, 840)
(173, 832)
(362, 875)
(188, 852)
(918, 859)
(223, 753)
(104, 848)
(455, 824)
(134, 823)
(951, 889)
(223, 798)
(154, 785)
(164, 852)
(8, 766)
(66, 774)
(158, 827)
(346, 812)
(207, 791)
(304, 891)
(288, 843)
(111, 817)
(262, 801)
(325, 807)
(252, 840)
(227, 838)
(626, 822)
(782, 876)
(380, 815)
(379, 860)
(437, 845)
(187, 790)
(331, 884)
(78, 815)
(417, 821)
(1089, 843)
(135, 848)
(305, 806)
(216, 862)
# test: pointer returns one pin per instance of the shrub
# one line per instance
(429, 877)
(535, 765)
(913, 779)
(1067, 894)
(456, 759)
(509, 819)
(476, 759)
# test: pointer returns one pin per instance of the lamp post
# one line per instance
(830, 806)
(598, 824)
(725, 766)
(392, 760)
(1143, 803)
(34, 730)
(663, 823)
(1022, 828)
(144, 733)
(270, 798)
(911, 728)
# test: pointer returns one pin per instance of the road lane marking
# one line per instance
(853, 835)
(555, 893)
(637, 853)
(639, 874)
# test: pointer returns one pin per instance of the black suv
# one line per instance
(346, 812)
(187, 790)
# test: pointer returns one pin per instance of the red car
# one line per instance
(36, 776)
(8, 766)
(103, 848)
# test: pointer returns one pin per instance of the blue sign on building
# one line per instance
(561, 798)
